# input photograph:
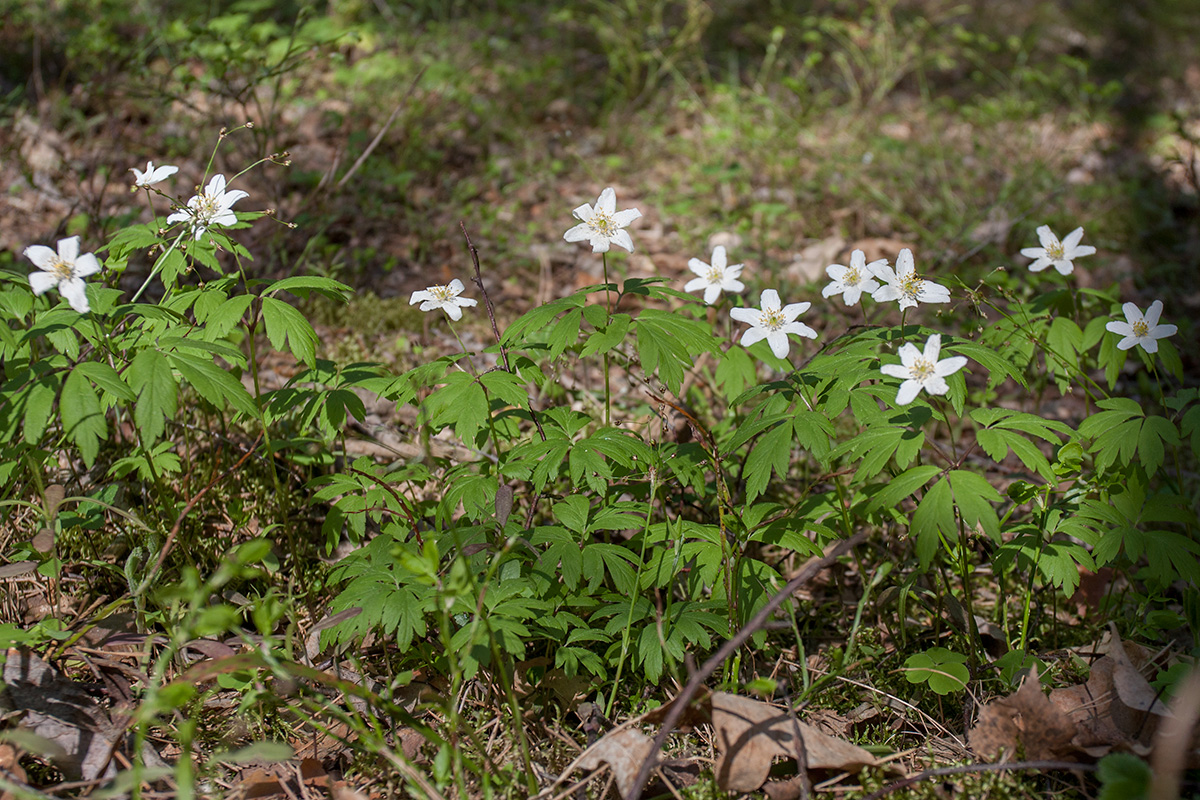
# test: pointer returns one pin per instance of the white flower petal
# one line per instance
(466, 302)
(696, 284)
(583, 212)
(793, 310)
(453, 311)
(68, 249)
(1127, 343)
(456, 287)
(1118, 327)
(750, 316)
(719, 257)
(779, 343)
(885, 293)
(577, 234)
(800, 329)
(1047, 237)
(74, 291)
(1132, 313)
(753, 336)
(1153, 313)
(1072, 239)
(623, 218)
(835, 288)
(769, 299)
(933, 347)
(909, 354)
(86, 265)
(419, 296)
(607, 203)
(905, 264)
(621, 238)
(711, 293)
(40, 255)
(1033, 252)
(697, 266)
(908, 392)
(837, 271)
(896, 371)
(950, 366)
(42, 282)
(935, 384)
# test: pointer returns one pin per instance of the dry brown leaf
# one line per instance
(623, 751)
(10, 769)
(59, 710)
(750, 734)
(1025, 720)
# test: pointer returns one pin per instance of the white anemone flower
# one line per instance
(152, 175)
(444, 297)
(923, 370)
(716, 278)
(850, 282)
(1141, 329)
(773, 322)
(603, 225)
(1059, 255)
(65, 269)
(211, 207)
(905, 285)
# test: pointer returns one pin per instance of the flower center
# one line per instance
(1140, 328)
(61, 269)
(911, 286)
(603, 224)
(714, 275)
(922, 370)
(441, 293)
(852, 277)
(772, 319)
(1055, 251)
(206, 209)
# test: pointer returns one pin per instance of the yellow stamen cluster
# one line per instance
(922, 369)
(603, 224)
(1140, 328)
(1055, 251)
(852, 277)
(61, 269)
(772, 318)
(714, 275)
(441, 293)
(911, 286)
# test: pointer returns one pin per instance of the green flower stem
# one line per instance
(158, 265)
(612, 697)
(608, 311)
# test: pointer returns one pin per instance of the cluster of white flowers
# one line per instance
(65, 270)
(602, 226)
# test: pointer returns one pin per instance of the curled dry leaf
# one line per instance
(624, 751)
(1025, 719)
(750, 734)
(60, 711)
(1117, 709)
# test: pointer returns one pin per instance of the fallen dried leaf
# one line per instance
(623, 751)
(750, 734)
(60, 711)
(1025, 721)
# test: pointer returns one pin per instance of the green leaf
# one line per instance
(667, 342)
(902, 486)
(82, 418)
(772, 451)
(301, 285)
(157, 393)
(107, 379)
(998, 366)
(39, 405)
(943, 670)
(286, 325)
(572, 511)
(214, 384)
(461, 403)
(933, 520)
(974, 497)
